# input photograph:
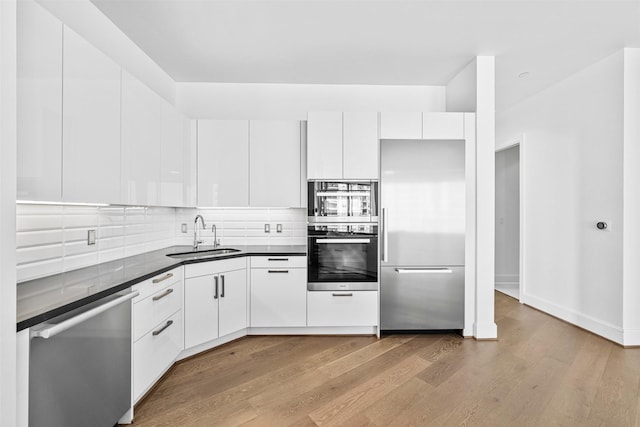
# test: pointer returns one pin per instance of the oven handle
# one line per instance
(61, 327)
(346, 241)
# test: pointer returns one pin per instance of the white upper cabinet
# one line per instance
(39, 114)
(360, 145)
(274, 163)
(324, 145)
(401, 125)
(141, 142)
(91, 123)
(342, 145)
(190, 138)
(172, 156)
(443, 126)
(223, 166)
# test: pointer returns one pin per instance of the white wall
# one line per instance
(462, 89)
(485, 326)
(86, 19)
(631, 212)
(8, 109)
(573, 178)
(507, 215)
(294, 101)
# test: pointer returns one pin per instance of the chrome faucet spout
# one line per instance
(216, 242)
(197, 241)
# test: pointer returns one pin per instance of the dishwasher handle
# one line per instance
(61, 327)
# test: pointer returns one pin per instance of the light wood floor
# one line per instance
(541, 372)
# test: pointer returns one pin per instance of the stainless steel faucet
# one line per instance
(216, 242)
(196, 241)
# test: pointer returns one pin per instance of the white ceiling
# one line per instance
(396, 42)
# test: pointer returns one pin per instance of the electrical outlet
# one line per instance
(183, 228)
(267, 228)
(279, 228)
(91, 237)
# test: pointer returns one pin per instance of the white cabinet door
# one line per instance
(354, 308)
(233, 301)
(278, 297)
(324, 145)
(200, 310)
(274, 163)
(360, 145)
(400, 125)
(223, 168)
(154, 354)
(190, 143)
(91, 123)
(172, 157)
(39, 114)
(443, 126)
(141, 145)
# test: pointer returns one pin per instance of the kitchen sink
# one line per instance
(204, 253)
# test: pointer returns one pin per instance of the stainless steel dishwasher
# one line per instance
(80, 365)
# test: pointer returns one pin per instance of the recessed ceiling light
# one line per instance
(523, 75)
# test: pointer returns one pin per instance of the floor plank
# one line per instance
(541, 372)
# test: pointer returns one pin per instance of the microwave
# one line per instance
(342, 201)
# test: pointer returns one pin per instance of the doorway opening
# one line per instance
(507, 217)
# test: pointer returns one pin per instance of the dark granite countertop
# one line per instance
(47, 297)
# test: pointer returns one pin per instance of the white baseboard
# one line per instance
(485, 331)
(597, 326)
(631, 337)
(188, 352)
(320, 330)
(507, 279)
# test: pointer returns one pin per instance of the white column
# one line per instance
(631, 199)
(8, 212)
(485, 326)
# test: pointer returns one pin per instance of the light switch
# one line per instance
(183, 228)
(267, 228)
(91, 237)
(279, 228)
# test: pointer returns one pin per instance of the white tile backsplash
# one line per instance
(52, 239)
(240, 227)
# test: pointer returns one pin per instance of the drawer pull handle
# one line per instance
(222, 278)
(163, 278)
(343, 295)
(278, 271)
(166, 325)
(164, 294)
(277, 259)
(215, 280)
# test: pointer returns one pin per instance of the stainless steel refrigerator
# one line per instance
(423, 230)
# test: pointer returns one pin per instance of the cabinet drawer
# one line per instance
(279, 261)
(153, 354)
(151, 310)
(150, 286)
(215, 267)
(278, 297)
(353, 308)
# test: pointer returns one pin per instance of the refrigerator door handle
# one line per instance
(385, 250)
(428, 270)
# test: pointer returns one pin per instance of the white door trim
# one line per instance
(519, 140)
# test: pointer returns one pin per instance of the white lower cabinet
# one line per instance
(215, 300)
(278, 291)
(157, 328)
(155, 352)
(338, 308)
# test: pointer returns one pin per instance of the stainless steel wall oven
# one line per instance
(342, 257)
